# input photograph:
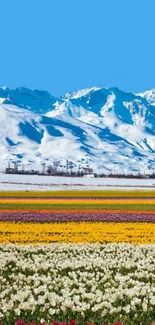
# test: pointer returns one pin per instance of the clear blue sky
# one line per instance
(66, 45)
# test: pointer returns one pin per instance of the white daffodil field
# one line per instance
(77, 258)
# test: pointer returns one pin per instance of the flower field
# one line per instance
(78, 218)
(96, 282)
(77, 258)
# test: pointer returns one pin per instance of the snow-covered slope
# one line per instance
(149, 95)
(105, 128)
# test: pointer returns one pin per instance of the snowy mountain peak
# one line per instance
(4, 87)
(81, 93)
(107, 128)
(39, 101)
(149, 95)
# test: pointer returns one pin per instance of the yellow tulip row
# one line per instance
(77, 193)
(25, 233)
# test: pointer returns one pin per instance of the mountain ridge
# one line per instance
(106, 128)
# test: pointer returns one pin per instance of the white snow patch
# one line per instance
(44, 183)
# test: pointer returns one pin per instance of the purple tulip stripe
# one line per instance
(76, 216)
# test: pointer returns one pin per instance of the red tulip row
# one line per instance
(72, 322)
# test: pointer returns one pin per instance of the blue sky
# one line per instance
(66, 45)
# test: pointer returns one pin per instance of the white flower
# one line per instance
(144, 306)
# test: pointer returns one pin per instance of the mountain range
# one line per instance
(104, 128)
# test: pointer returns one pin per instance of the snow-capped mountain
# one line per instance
(107, 128)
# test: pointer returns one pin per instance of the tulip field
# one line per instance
(77, 258)
(77, 217)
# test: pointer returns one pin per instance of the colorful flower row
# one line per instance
(81, 232)
(79, 201)
(85, 193)
(76, 216)
(72, 322)
(79, 198)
